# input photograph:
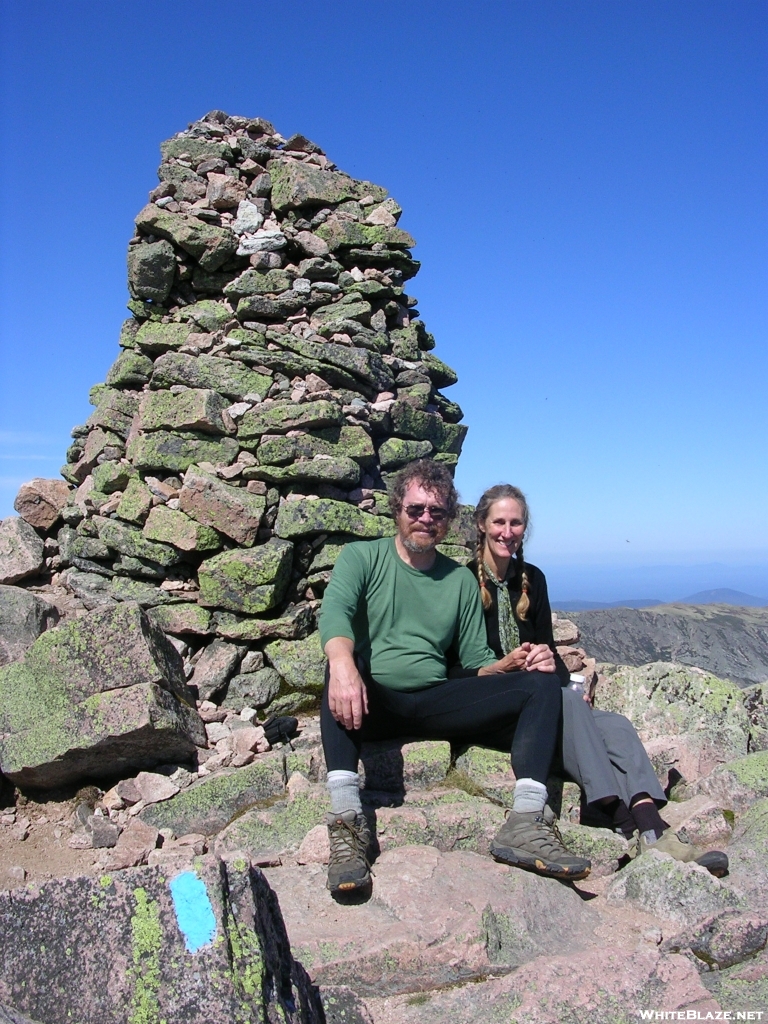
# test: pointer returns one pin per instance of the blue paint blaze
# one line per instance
(194, 913)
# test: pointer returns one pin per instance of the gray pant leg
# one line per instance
(584, 753)
(632, 767)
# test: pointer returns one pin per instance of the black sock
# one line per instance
(622, 818)
(647, 818)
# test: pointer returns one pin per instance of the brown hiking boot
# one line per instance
(532, 841)
(349, 867)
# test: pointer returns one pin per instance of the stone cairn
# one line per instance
(272, 375)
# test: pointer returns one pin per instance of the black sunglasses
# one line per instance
(437, 513)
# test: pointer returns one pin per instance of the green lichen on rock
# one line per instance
(338, 441)
(193, 409)
(341, 471)
(129, 370)
(277, 828)
(146, 945)
(112, 476)
(299, 184)
(249, 581)
(155, 338)
(181, 619)
(209, 805)
(214, 373)
(207, 314)
(324, 515)
(170, 526)
(211, 246)
(281, 417)
(663, 699)
(252, 282)
(131, 542)
(301, 663)
(481, 764)
(668, 888)
(396, 452)
(135, 503)
(176, 452)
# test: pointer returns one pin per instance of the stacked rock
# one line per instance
(273, 373)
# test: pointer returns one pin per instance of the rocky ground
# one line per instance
(447, 934)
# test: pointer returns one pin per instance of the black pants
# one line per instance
(519, 711)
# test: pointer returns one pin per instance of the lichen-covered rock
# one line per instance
(130, 370)
(135, 502)
(249, 581)
(737, 784)
(21, 550)
(188, 410)
(294, 625)
(301, 663)
(252, 689)
(162, 450)
(206, 944)
(324, 515)
(151, 270)
(170, 526)
(281, 417)
(181, 619)
(217, 664)
(155, 338)
(233, 511)
(395, 766)
(341, 471)
(295, 185)
(668, 888)
(96, 696)
(212, 373)
(692, 719)
(23, 617)
(39, 502)
(211, 246)
(208, 806)
(131, 542)
(723, 940)
(396, 452)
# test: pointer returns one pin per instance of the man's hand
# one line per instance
(512, 662)
(347, 696)
(540, 659)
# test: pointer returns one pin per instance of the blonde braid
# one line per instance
(482, 579)
(521, 580)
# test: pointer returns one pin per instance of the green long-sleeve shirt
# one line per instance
(402, 620)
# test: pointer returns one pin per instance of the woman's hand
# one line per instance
(540, 658)
(512, 662)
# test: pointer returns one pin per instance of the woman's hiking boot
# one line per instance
(532, 841)
(680, 847)
(348, 867)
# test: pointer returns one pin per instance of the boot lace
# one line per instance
(349, 842)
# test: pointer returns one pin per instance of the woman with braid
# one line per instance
(601, 751)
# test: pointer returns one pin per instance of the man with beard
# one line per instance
(392, 611)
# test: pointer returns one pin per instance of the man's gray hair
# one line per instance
(432, 476)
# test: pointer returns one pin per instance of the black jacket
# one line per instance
(536, 627)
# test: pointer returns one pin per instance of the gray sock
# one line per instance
(530, 795)
(344, 789)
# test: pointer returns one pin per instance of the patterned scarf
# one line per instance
(509, 634)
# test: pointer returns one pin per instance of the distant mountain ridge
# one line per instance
(722, 595)
(728, 641)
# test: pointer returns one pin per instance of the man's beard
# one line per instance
(410, 543)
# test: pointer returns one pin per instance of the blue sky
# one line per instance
(586, 182)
